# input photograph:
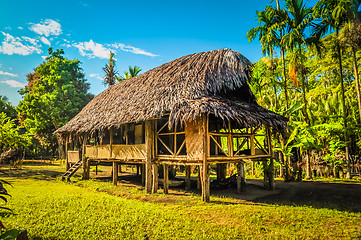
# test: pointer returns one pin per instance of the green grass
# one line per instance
(51, 209)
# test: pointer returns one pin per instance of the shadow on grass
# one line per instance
(339, 196)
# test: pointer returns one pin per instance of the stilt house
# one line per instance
(195, 110)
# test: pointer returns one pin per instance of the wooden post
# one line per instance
(165, 179)
(96, 169)
(241, 178)
(221, 171)
(66, 154)
(115, 173)
(120, 168)
(205, 166)
(253, 149)
(142, 170)
(199, 178)
(188, 177)
(137, 170)
(149, 143)
(155, 178)
(111, 142)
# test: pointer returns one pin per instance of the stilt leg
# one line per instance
(165, 182)
(155, 178)
(188, 177)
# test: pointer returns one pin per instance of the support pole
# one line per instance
(188, 177)
(66, 154)
(155, 178)
(241, 178)
(149, 140)
(165, 179)
(142, 173)
(205, 166)
(115, 173)
(221, 171)
(199, 185)
(138, 170)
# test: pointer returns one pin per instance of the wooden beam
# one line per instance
(149, 144)
(241, 178)
(155, 178)
(115, 173)
(165, 179)
(188, 177)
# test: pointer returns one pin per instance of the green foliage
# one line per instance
(133, 71)
(56, 91)
(7, 108)
(10, 138)
(110, 71)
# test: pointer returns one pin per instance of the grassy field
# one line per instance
(51, 209)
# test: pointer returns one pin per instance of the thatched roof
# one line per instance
(208, 82)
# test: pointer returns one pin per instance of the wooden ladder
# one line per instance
(67, 175)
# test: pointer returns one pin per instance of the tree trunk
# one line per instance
(357, 81)
(348, 174)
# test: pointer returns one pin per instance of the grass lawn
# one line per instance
(51, 209)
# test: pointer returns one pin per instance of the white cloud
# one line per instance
(45, 41)
(94, 75)
(20, 28)
(8, 74)
(14, 45)
(33, 41)
(44, 57)
(13, 83)
(92, 49)
(131, 49)
(47, 28)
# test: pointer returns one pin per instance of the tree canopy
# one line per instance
(56, 91)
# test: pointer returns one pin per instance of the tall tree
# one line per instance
(56, 91)
(110, 71)
(296, 40)
(333, 15)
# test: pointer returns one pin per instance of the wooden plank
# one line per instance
(155, 178)
(149, 144)
(166, 178)
(188, 177)
(253, 149)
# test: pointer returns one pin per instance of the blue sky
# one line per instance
(142, 33)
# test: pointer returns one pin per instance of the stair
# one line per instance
(67, 175)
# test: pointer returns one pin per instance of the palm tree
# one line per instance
(295, 40)
(268, 37)
(133, 71)
(350, 36)
(110, 71)
(335, 14)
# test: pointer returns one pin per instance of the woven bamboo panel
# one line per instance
(73, 156)
(103, 151)
(129, 151)
(194, 139)
(91, 151)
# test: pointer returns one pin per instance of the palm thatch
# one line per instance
(209, 82)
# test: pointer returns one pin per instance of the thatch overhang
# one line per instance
(209, 82)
